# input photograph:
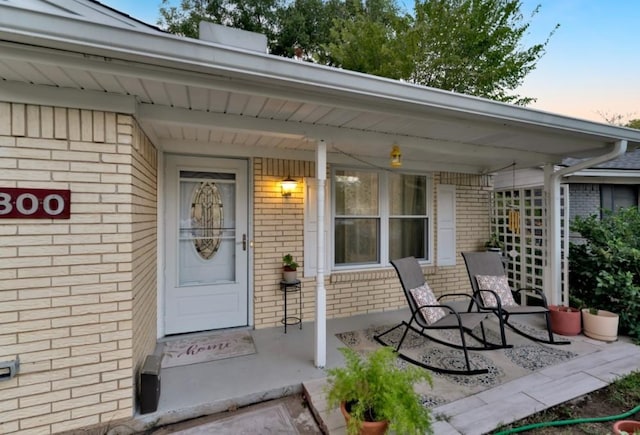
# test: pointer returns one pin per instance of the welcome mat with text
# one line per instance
(504, 365)
(206, 348)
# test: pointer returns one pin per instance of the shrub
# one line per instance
(605, 267)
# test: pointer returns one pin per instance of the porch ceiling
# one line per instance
(199, 97)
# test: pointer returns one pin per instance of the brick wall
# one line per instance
(279, 229)
(144, 233)
(585, 200)
(66, 293)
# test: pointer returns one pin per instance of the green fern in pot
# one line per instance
(373, 387)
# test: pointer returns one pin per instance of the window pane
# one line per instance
(357, 241)
(408, 237)
(408, 195)
(356, 193)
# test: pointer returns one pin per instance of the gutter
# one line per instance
(552, 183)
(228, 64)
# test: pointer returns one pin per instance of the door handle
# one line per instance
(244, 242)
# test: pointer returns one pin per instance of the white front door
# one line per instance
(206, 270)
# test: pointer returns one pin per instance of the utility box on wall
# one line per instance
(149, 393)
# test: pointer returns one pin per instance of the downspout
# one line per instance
(321, 293)
(552, 183)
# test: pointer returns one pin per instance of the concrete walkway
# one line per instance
(485, 411)
(283, 366)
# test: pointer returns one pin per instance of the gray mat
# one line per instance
(504, 365)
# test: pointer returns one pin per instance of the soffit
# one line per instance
(258, 104)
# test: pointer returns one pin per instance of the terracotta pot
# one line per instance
(602, 326)
(629, 426)
(565, 320)
(368, 427)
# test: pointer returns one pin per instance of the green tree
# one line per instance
(634, 123)
(371, 38)
(251, 15)
(467, 46)
(474, 47)
(306, 24)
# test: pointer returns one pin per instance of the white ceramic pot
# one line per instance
(289, 275)
(602, 326)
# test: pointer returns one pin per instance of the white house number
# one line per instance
(34, 203)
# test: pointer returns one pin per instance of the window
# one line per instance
(379, 216)
(615, 196)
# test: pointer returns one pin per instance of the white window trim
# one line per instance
(383, 201)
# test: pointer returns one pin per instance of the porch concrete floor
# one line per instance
(283, 365)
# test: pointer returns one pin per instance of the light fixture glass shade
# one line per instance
(396, 157)
(288, 186)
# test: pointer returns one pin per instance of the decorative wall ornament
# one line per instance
(207, 216)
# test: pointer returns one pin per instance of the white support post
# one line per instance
(552, 180)
(321, 292)
(552, 279)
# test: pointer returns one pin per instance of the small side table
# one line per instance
(291, 287)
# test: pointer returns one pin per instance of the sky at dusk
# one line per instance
(592, 64)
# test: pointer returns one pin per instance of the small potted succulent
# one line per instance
(494, 244)
(374, 394)
(289, 268)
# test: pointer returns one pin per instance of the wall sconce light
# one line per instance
(396, 157)
(288, 186)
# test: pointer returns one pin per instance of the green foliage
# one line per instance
(605, 269)
(467, 46)
(634, 123)
(289, 263)
(494, 242)
(372, 38)
(626, 390)
(374, 382)
(474, 47)
(251, 15)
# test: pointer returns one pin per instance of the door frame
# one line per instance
(162, 243)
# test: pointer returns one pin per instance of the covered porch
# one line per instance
(100, 103)
(283, 366)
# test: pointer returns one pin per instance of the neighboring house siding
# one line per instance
(279, 228)
(66, 288)
(585, 200)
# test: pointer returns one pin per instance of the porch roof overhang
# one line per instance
(193, 95)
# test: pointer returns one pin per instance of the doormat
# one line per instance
(202, 349)
(504, 365)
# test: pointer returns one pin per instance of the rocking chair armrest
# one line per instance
(537, 291)
(472, 298)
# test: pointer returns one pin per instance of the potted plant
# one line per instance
(374, 393)
(494, 243)
(565, 320)
(600, 324)
(626, 427)
(289, 268)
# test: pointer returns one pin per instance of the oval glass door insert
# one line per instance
(207, 219)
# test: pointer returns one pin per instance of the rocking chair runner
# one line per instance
(425, 316)
(492, 293)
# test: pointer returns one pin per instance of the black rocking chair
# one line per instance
(490, 264)
(411, 277)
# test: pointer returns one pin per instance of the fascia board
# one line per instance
(51, 96)
(188, 54)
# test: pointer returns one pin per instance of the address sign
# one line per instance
(35, 203)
